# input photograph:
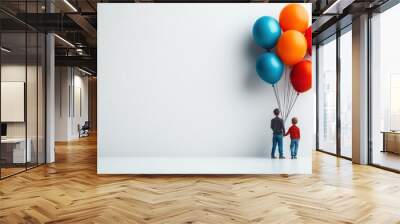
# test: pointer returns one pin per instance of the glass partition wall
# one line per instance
(327, 96)
(334, 121)
(22, 89)
(385, 90)
(13, 85)
(346, 95)
(334, 94)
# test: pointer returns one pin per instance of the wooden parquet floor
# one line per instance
(70, 191)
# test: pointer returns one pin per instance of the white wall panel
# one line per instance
(178, 81)
(12, 101)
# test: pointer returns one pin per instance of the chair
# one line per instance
(84, 130)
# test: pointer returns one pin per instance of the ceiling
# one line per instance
(75, 22)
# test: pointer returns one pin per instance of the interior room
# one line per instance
(385, 107)
(158, 111)
(22, 104)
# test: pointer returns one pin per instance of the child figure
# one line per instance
(294, 132)
(278, 129)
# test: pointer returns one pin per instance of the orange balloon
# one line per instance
(291, 47)
(294, 17)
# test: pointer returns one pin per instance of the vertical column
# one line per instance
(62, 103)
(338, 98)
(50, 92)
(360, 90)
(317, 96)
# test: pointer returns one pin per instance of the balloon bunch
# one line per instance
(290, 38)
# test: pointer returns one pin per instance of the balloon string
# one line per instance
(273, 87)
(278, 93)
(284, 94)
(288, 90)
(276, 96)
(294, 102)
(290, 103)
(292, 96)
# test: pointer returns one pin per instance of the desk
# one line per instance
(391, 142)
(13, 150)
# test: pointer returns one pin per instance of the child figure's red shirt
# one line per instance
(294, 132)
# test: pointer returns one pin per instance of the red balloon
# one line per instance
(301, 76)
(308, 36)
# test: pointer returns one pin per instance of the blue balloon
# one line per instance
(266, 32)
(269, 67)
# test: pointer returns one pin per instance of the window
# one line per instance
(346, 93)
(327, 96)
(22, 77)
(385, 89)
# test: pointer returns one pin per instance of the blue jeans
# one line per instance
(277, 140)
(294, 145)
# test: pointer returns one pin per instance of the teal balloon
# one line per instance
(269, 67)
(266, 32)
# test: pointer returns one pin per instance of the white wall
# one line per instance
(67, 117)
(80, 112)
(12, 101)
(61, 103)
(18, 73)
(177, 83)
(33, 127)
